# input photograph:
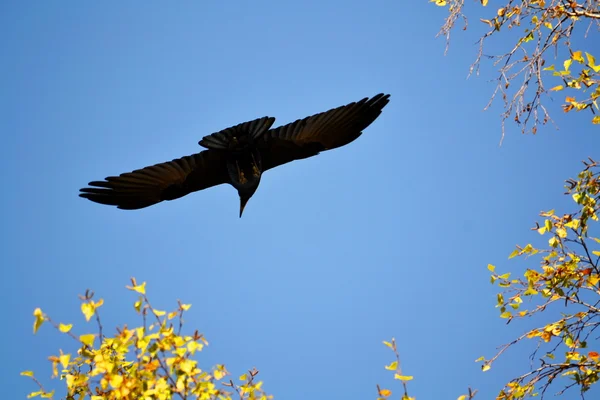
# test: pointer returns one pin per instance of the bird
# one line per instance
(239, 156)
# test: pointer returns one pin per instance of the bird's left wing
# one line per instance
(166, 181)
(325, 131)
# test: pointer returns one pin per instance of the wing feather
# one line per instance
(166, 181)
(324, 131)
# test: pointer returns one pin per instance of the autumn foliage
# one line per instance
(152, 361)
(529, 71)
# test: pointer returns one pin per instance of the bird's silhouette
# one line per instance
(239, 156)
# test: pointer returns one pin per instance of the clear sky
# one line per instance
(387, 237)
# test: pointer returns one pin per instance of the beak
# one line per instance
(243, 201)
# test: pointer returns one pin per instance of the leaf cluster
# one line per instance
(152, 361)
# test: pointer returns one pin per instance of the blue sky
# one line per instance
(387, 237)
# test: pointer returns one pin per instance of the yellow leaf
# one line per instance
(64, 328)
(64, 360)
(39, 319)
(243, 377)
(27, 373)
(186, 306)
(491, 267)
(577, 57)
(592, 62)
(567, 64)
(530, 292)
(159, 313)
(219, 374)
(34, 394)
(596, 120)
(403, 378)
(596, 253)
(388, 344)
(385, 392)
(561, 232)
(138, 305)
(88, 310)
(172, 314)
(548, 25)
(484, 2)
(485, 367)
(557, 88)
(116, 381)
(194, 346)
(88, 339)
(139, 288)
(486, 21)
(463, 397)
(505, 314)
(393, 366)
(440, 3)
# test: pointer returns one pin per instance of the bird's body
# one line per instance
(238, 155)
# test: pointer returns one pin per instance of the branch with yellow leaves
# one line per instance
(545, 25)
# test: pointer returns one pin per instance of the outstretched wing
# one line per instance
(166, 181)
(325, 131)
(223, 140)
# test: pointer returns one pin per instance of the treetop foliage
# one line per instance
(546, 29)
(152, 361)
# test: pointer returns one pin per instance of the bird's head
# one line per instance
(245, 195)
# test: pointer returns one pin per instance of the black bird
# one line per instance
(239, 156)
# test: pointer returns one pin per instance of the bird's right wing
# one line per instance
(166, 181)
(324, 131)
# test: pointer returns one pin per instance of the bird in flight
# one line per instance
(239, 156)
